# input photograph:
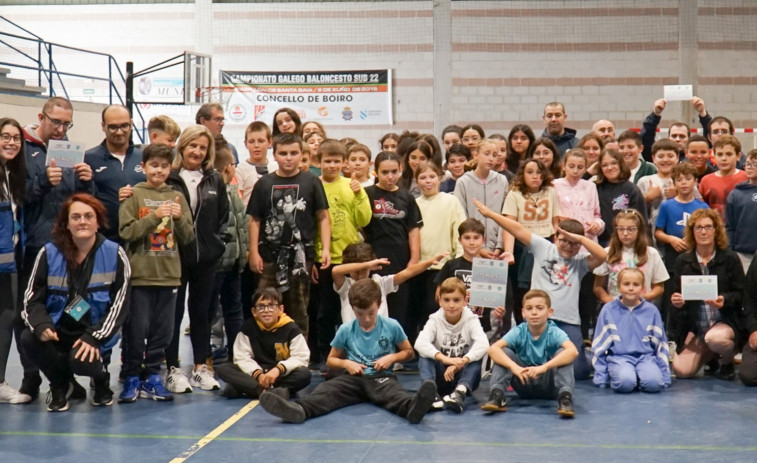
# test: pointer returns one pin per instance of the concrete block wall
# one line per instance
(507, 58)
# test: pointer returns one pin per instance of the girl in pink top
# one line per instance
(577, 197)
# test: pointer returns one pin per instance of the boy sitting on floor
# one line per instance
(365, 348)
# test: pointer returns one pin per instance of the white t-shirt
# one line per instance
(386, 283)
(192, 179)
(654, 269)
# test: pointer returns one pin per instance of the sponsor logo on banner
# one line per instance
(323, 111)
(259, 110)
(347, 114)
(237, 112)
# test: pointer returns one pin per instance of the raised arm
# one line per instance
(509, 225)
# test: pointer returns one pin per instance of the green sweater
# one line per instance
(151, 242)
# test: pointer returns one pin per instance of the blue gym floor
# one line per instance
(705, 419)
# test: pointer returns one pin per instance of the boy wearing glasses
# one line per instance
(154, 220)
(740, 213)
(558, 270)
(270, 353)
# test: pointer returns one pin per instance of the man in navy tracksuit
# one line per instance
(116, 164)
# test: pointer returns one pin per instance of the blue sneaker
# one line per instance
(153, 389)
(131, 390)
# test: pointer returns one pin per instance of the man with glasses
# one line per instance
(116, 165)
(719, 126)
(47, 187)
(211, 116)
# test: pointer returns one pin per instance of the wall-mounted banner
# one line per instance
(333, 98)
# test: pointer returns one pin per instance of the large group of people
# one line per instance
(320, 257)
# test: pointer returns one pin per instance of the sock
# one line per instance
(462, 388)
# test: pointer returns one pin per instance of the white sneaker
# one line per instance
(12, 396)
(177, 381)
(203, 378)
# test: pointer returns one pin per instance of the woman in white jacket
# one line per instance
(451, 347)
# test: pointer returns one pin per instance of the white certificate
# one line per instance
(66, 153)
(699, 287)
(678, 92)
(487, 295)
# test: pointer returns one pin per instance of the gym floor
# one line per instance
(704, 419)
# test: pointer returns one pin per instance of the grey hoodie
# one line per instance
(492, 193)
(466, 338)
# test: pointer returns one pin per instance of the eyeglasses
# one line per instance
(572, 244)
(115, 128)
(627, 229)
(265, 307)
(58, 122)
(88, 217)
(721, 132)
(6, 137)
(749, 165)
(703, 228)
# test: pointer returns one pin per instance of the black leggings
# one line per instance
(57, 362)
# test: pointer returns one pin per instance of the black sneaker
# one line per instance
(422, 402)
(56, 399)
(565, 405)
(276, 405)
(103, 396)
(76, 391)
(455, 401)
(496, 403)
(727, 372)
(30, 384)
(282, 392)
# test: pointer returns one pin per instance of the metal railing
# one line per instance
(74, 73)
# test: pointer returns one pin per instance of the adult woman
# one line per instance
(286, 120)
(711, 328)
(194, 176)
(76, 301)
(12, 189)
(519, 140)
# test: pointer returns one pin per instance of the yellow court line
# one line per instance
(216, 432)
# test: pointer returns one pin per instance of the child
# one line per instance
(153, 222)
(457, 157)
(286, 209)
(535, 358)
(715, 187)
(472, 136)
(359, 160)
(365, 348)
(416, 153)
(559, 271)
(544, 150)
(615, 192)
(227, 289)
(471, 237)
(388, 142)
(313, 126)
(269, 352)
(349, 211)
(628, 249)
(488, 187)
(394, 230)
(669, 227)
(451, 346)
(698, 153)
(314, 140)
(443, 215)
(631, 146)
(592, 145)
(305, 161)
(740, 212)
(658, 187)
(532, 202)
(579, 200)
(451, 135)
(163, 129)
(286, 120)
(257, 139)
(500, 164)
(630, 348)
(518, 140)
(358, 261)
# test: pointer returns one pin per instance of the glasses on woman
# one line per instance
(88, 217)
(6, 137)
(704, 228)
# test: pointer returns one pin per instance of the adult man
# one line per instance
(211, 116)
(604, 129)
(47, 187)
(116, 164)
(678, 131)
(554, 117)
